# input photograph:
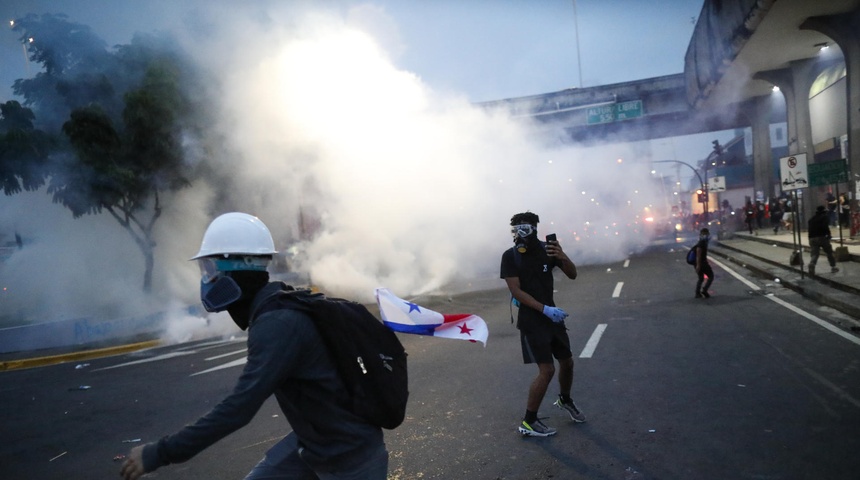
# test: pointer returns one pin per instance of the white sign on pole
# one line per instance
(793, 174)
(717, 184)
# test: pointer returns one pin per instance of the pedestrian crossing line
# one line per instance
(626, 263)
(591, 345)
(617, 292)
(802, 313)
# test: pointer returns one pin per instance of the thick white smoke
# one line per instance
(406, 188)
(377, 178)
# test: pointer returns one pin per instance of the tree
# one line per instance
(125, 172)
(120, 160)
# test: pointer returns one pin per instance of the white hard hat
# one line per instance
(236, 233)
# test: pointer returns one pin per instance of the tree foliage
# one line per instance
(24, 150)
(77, 67)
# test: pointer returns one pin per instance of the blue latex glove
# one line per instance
(555, 314)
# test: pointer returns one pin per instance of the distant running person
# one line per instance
(703, 267)
(818, 230)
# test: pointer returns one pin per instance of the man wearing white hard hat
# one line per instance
(286, 358)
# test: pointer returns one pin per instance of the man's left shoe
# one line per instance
(575, 414)
(834, 270)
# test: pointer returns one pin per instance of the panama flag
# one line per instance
(407, 317)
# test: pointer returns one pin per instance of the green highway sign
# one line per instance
(628, 110)
(827, 173)
(602, 114)
(614, 112)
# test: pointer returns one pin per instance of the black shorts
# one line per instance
(542, 344)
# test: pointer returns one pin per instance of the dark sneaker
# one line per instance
(706, 294)
(699, 295)
(834, 270)
(575, 414)
(535, 429)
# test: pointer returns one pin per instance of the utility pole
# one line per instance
(578, 56)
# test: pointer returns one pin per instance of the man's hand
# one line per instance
(555, 314)
(553, 249)
(132, 468)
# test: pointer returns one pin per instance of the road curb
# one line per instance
(75, 356)
(766, 268)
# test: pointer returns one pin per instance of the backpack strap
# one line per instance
(289, 298)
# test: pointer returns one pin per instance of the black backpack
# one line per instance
(691, 256)
(368, 356)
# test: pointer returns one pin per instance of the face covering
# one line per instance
(218, 288)
(219, 292)
(524, 236)
(705, 237)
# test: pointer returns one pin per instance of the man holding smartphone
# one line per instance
(527, 271)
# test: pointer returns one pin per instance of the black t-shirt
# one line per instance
(534, 269)
(702, 250)
(818, 226)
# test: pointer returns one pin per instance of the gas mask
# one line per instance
(706, 237)
(524, 236)
(218, 289)
(219, 293)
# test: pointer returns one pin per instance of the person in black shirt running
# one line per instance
(703, 267)
(818, 230)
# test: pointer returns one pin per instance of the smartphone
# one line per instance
(551, 238)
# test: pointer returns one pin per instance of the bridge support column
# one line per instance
(843, 30)
(794, 83)
(762, 155)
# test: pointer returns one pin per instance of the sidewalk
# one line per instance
(769, 255)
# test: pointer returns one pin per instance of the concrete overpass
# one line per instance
(739, 51)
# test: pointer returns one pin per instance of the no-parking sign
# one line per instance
(792, 172)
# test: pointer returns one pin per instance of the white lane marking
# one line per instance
(216, 357)
(802, 313)
(207, 345)
(626, 263)
(234, 363)
(617, 292)
(147, 360)
(591, 345)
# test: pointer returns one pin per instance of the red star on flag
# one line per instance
(464, 329)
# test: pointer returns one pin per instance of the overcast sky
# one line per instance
(480, 49)
(484, 49)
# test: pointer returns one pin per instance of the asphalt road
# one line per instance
(737, 386)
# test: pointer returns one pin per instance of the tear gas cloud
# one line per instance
(376, 178)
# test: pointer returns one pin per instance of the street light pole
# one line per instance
(701, 182)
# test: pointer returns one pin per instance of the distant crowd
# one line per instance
(776, 214)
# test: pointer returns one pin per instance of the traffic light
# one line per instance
(703, 197)
(718, 149)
